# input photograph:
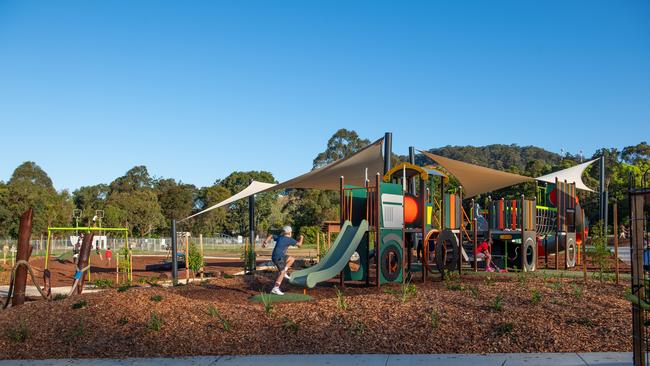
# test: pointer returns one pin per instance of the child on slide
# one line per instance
(279, 256)
(483, 251)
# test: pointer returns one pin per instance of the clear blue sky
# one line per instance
(197, 89)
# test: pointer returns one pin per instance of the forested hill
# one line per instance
(512, 158)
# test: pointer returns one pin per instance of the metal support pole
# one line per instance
(602, 188)
(615, 223)
(174, 257)
(251, 225)
(412, 161)
(388, 150)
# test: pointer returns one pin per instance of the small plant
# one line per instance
(124, 287)
(228, 276)
(155, 322)
(535, 297)
(559, 282)
(578, 291)
(214, 312)
(341, 303)
(522, 277)
(195, 259)
(497, 303)
(583, 320)
(123, 321)
(407, 290)
(599, 253)
(59, 297)
(452, 281)
(156, 298)
(434, 317)
(153, 281)
(80, 304)
(504, 328)
(103, 283)
(489, 280)
(19, 333)
(357, 328)
(267, 302)
(473, 290)
(76, 332)
(290, 325)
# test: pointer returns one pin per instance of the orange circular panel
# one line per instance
(411, 209)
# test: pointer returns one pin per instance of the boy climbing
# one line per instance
(483, 251)
(279, 256)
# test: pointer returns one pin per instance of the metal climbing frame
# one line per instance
(128, 257)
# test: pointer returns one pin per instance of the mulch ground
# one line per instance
(216, 318)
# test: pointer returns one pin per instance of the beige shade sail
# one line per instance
(571, 175)
(253, 188)
(365, 163)
(477, 179)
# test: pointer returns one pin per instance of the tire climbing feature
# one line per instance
(391, 258)
(571, 250)
(447, 251)
(529, 253)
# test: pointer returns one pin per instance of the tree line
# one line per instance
(146, 204)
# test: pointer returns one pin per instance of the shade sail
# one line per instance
(253, 188)
(353, 169)
(571, 175)
(365, 163)
(477, 179)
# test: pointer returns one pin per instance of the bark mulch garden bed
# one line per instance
(474, 314)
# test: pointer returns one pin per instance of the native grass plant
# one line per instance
(123, 321)
(474, 291)
(124, 287)
(289, 325)
(156, 298)
(18, 333)
(434, 318)
(522, 277)
(497, 303)
(214, 312)
(407, 290)
(248, 257)
(357, 328)
(578, 291)
(559, 282)
(341, 303)
(155, 322)
(535, 297)
(267, 302)
(504, 328)
(489, 280)
(452, 281)
(123, 265)
(59, 297)
(76, 332)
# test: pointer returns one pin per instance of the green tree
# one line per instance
(176, 199)
(88, 199)
(138, 211)
(341, 145)
(212, 222)
(136, 178)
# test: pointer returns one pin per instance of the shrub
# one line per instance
(474, 291)
(195, 259)
(504, 328)
(155, 322)
(214, 312)
(266, 301)
(452, 281)
(536, 297)
(59, 297)
(497, 303)
(103, 283)
(80, 304)
(599, 252)
(341, 303)
(19, 333)
(156, 298)
(124, 287)
(310, 233)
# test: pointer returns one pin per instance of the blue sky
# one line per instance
(197, 89)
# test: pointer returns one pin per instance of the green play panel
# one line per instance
(287, 297)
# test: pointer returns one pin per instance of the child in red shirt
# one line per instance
(109, 255)
(483, 251)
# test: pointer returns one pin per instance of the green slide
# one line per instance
(336, 258)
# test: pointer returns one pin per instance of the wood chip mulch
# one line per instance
(536, 315)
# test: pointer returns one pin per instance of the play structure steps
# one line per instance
(336, 258)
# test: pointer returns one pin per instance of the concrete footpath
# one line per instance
(496, 359)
